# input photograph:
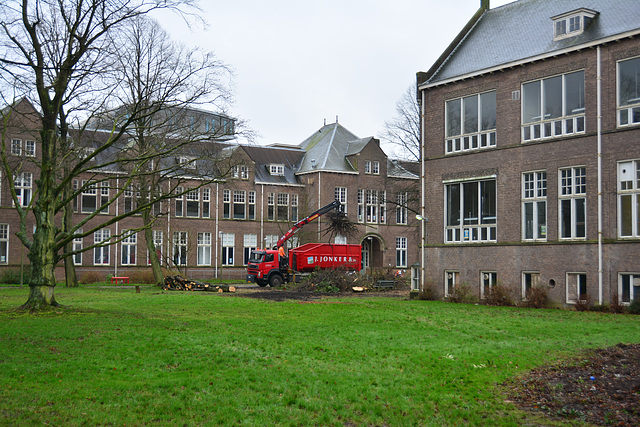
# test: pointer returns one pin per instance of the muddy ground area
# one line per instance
(601, 387)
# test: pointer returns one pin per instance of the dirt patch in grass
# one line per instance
(601, 387)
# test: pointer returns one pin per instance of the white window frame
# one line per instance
(451, 279)
(534, 194)
(401, 252)
(244, 172)
(193, 201)
(294, 207)
(485, 227)
(629, 113)
(250, 244)
(271, 206)
(361, 205)
(158, 237)
(23, 184)
(4, 244)
(77, 246)
(276, 169)
(226, 204)
(572, 188)
(628, 199)
(30, 148)
(179, 202)
(402, 212)
(282, 211)
(488, 279)
(204, 248)
(251, 205)
(129, 248)
(633, 285)
(567, 123)
(340, 194)
(367, 166)
(180, 248)
(101, 254)
(187, 162)
(574, 281)
(239, 202)
(228, 244)
(16, 147)
(479, 138)
(206, 203)
(375, 167)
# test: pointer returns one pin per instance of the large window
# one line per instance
(239, 206)
(553, 107)
(629, 199)
(340, 194)
(534, 205)
(24, 188)
(129, 245)
(470, 211)
(283, 207)
(77, 247)
(157, 243)
(294, 207)
(101, 253)
(252, 204)
(180, 246)
(629, 92)
(204, 248)
(471, 122)
(628, 287)
(271, 206)
(193, 203)
(179, 202)
(401, 208)
(4, 243)
(228, 243)
(250, 244)
(401, 252)
(206, 203)
(226, 204)
(572, 212)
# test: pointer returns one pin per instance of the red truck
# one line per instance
(264, 265)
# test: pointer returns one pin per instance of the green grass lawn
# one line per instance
(112, 356)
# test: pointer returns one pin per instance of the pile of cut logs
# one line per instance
(178, 283)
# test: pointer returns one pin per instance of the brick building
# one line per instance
(210, 230)
(531, 130)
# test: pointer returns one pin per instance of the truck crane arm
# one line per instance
(298, 225)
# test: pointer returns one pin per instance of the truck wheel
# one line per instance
(275, 280)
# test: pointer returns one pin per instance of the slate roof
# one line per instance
(328, 148)
(523, 30)
(291, 158)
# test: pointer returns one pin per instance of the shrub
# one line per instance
(615, 306)
(460, 294)
(537, 297)
(91, 277)
(11, 276)
(498, 295)
(634, 307)
(583, 303)
(428, 293)
(141, 276)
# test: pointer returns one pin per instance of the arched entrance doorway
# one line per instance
(372, 250)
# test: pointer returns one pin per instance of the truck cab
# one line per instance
(264, 268)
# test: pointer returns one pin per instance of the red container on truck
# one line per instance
(264, 266)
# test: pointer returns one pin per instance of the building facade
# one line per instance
(208, 231)
(531, 146)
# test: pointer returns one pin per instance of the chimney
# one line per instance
(484, 4)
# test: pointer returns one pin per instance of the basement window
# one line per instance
(572, 23)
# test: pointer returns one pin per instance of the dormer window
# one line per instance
(276, 169)
(572, 23)
(187, 162)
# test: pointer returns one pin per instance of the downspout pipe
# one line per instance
(423, 225)
(599, 137)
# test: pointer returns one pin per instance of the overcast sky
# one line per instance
(300, 62)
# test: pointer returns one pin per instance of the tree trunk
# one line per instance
(156, 268)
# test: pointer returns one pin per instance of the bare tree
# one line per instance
(403, 131)
(51, 48)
